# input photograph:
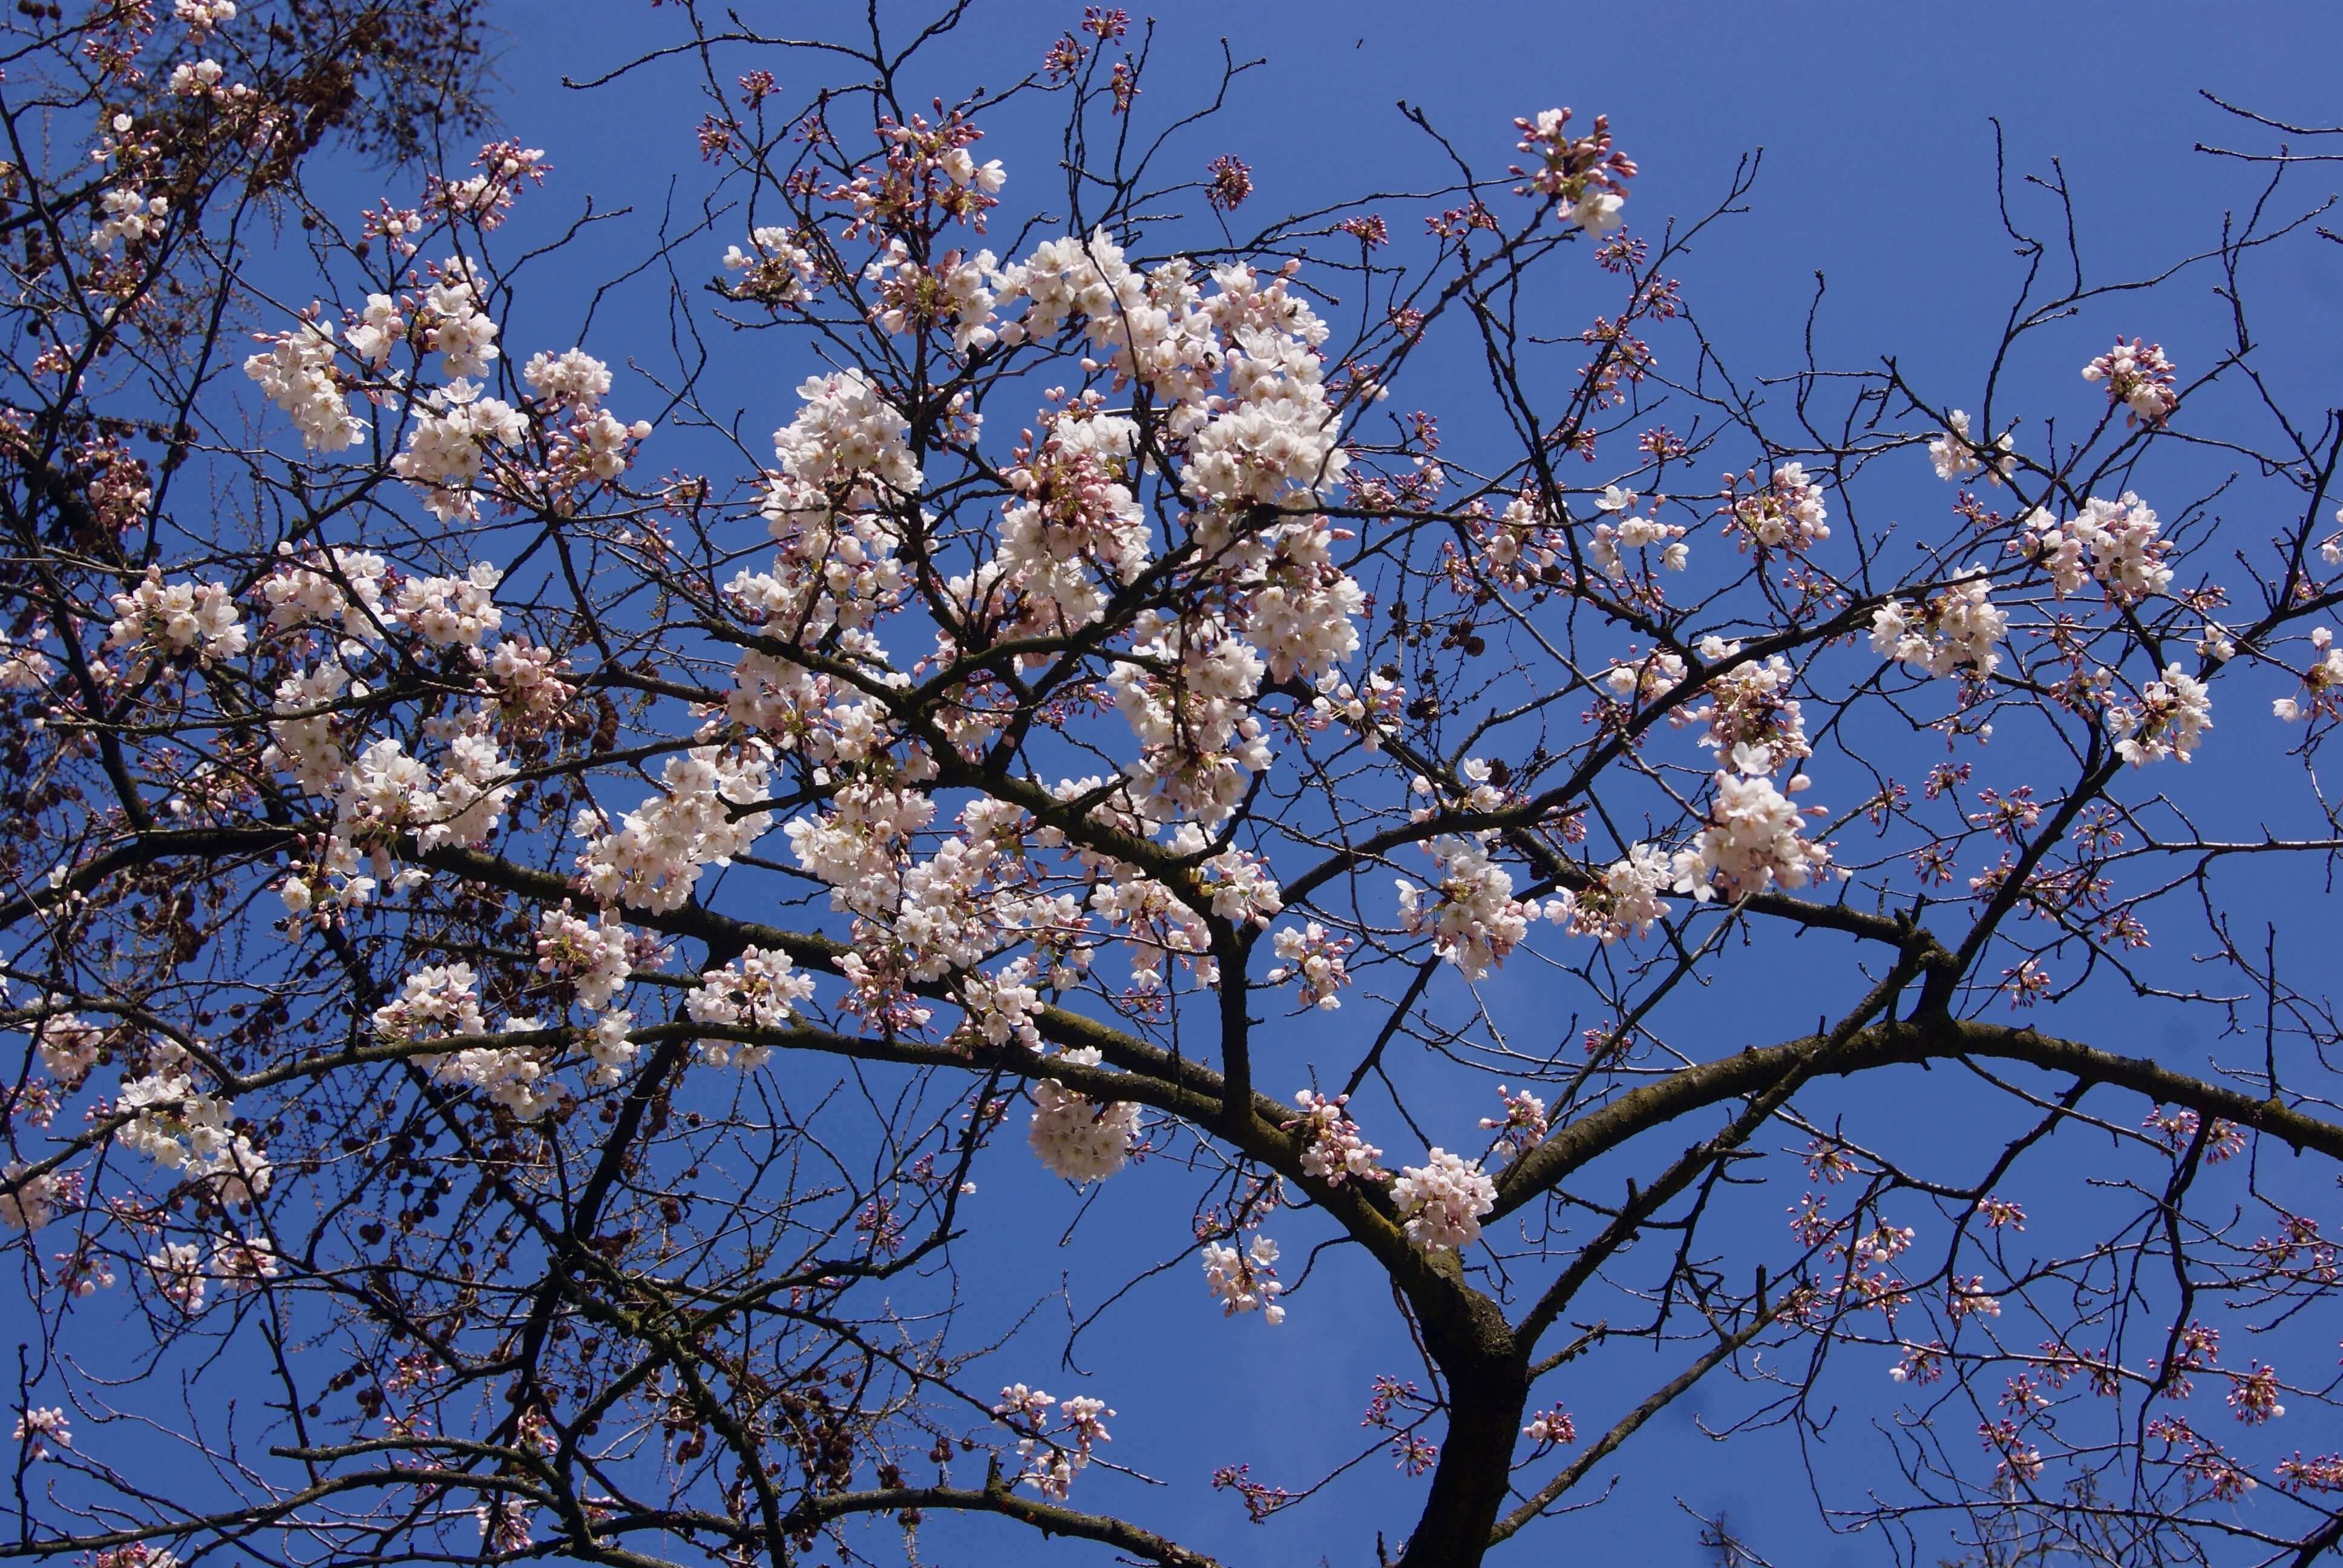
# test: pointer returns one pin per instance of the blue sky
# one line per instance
(1876, 122)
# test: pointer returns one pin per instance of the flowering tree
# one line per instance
(546, 932)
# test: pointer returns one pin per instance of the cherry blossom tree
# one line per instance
(547, 933)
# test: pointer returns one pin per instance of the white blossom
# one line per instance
(1471, 915)
(297, 371)
(1077, 1138)
(1958, 629)
(1442, 1200)
(2173, 715)
(177, 618)
(1752, 843)
(1957, 456)
(1245, 1281)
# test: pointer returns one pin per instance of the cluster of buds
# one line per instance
(926, 165)
(1585, 176)
(2322, 683)
(1313, 957)
(2139, 377)
(485, 198)
(1336, 1151)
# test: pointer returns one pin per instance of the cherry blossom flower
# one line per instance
(1956, 631)
(1442, 1200)
(177, 618)
(1585, 176)
(202, 16)
(1622, 900)
(1245, 1281)
(450, 444)
(1230, 183)
(1473, 918)
(591, 956)
(1334, 1150)
(67, 1046)
(2254, 1395)
(1075, 1137)
(41, 1430)
(1752, 719)
(1311, 958)
(22, 667)
(1956, 457)
(1752, 843)
(2140, 380)
(1786, 512)
(776, 271)
(297, 371)
(127, 217)
(2173, 716)
(2115, 542)
(1522, 1128)
(1053, 1459)
(758, 990)
(27, 1202)
(1552, 1429)
(652, 857)
(450, 320)
(2322, 683)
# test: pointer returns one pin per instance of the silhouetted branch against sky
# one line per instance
(814, 785)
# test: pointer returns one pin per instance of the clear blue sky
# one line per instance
(1878, 168)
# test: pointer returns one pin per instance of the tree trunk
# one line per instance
(1488, 1386)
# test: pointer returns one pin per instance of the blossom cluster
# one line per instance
(192, 1134)
(2171, 717)
(1051, 1460)
(452, 321)
(1473, 916)
(447, 446)
(1334, 1150)
(777, 270)
(485, 198)
(1245, 1281)
(387, 794)
(1198, 746)
(439, 1001)
(592, 956)
(652, 858)
(177, 618)
(184, 1272)
(758, 990)
(1523, 1125)
(297, 371)
(1752, 842)
(67, 1047)
(1957, 630)
(41, 1428)
(126, 217)
(1585, 176)
(1312, 959)
(334, 587)
(1623, 528)
(1784, 512)
(843, 461)
(2140, 380)
(2322, 682)
(1077, 1138)
(1442, 1200)
(1623, 899)
(23, 667)
(2115, 542)
(1753, 721)
(30, 1200)
(1957, 456)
